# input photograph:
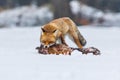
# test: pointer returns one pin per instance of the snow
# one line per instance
(25, 16)
(20, 61)
(110, 18)
(34, 16)
(78, 7)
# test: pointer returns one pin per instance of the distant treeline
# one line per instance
(113, 5)
(14, 3)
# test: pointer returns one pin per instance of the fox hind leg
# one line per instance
(77, 37)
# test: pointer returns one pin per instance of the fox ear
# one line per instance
(42, 30)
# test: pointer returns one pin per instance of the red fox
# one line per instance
(57, 29)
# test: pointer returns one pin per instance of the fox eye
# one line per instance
(52, 42)
(43, 30)
(54, 31)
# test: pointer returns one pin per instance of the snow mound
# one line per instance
(78, 7)
(99, 17)
(33, 15)
(26, 16)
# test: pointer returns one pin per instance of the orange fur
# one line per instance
(58, 28)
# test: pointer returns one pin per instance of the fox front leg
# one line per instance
(63, 40)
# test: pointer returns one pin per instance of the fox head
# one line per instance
(48, 38)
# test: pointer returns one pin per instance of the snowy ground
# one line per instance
(20, 61)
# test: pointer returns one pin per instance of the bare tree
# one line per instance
(62, 8)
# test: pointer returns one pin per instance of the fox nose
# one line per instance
(46, 47)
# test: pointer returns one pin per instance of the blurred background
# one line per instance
(38, 12)
(20, 29)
